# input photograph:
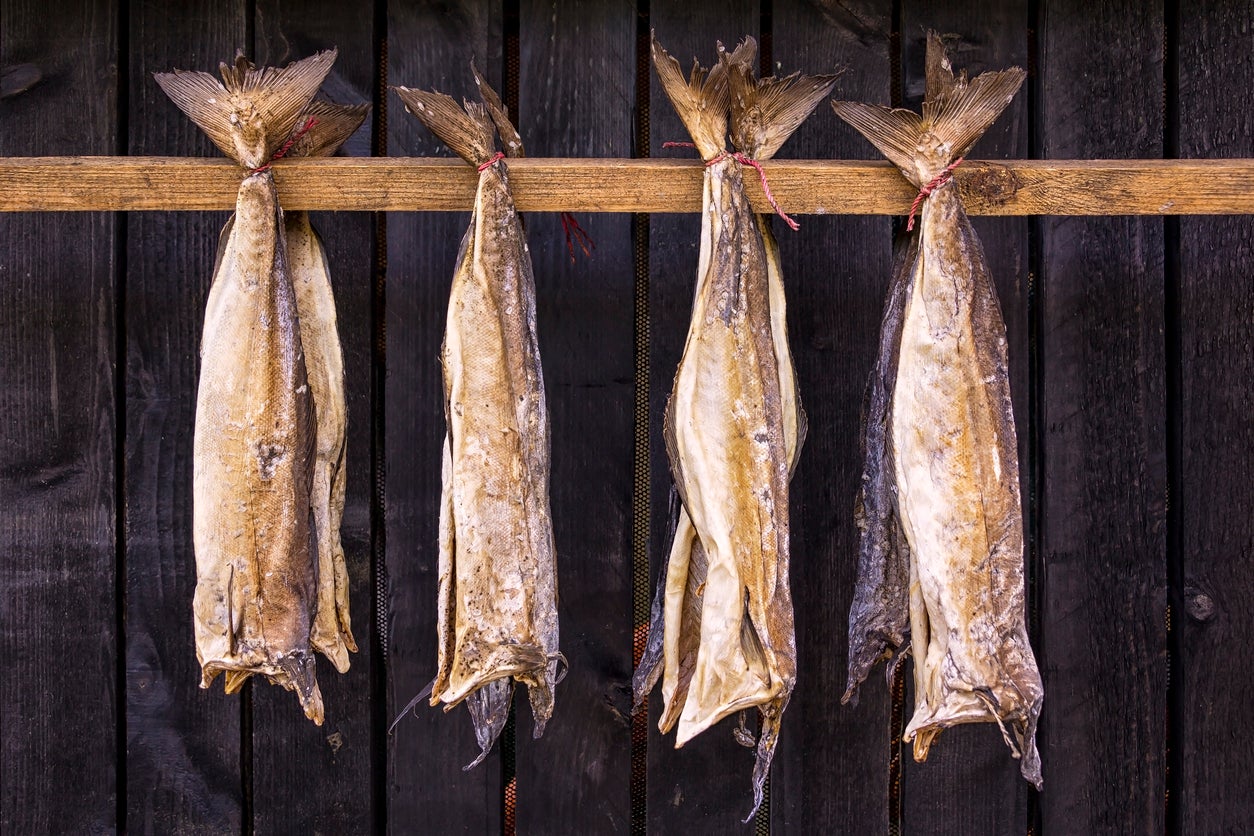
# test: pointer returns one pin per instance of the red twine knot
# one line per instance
(935, 183)
(743, 159)
(287, 146)
(496, 158)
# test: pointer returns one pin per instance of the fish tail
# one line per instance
(702, 99)
(470, 132)
(251, 111)
(324, 126)
(765, 112)
(500, 115)
(956, 113)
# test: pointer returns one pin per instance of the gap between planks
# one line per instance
(360, 184)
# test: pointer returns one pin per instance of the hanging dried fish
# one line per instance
(721, 637)
(497, 615)
(255, 433)
(322, 129)
(941, 558)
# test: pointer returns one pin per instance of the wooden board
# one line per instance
(60, 695)
(430, 46)
(1103, 587)
(970, 783)
(183, 744)
(836, 272)
(1213, 607)
(820, 187)
(576, 91)
(331, 765)
(704, 787)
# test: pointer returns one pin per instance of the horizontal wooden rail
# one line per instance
(1009, 187)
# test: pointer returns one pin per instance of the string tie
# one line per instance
(496, 158)
(935, 183)
(572, 228)
(287, 146)
(743, 159)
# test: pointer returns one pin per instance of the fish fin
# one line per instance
(765, 112)
(650, 668)
(489, 709)
(700, 100)
(894, 131)
(411, 705)
(510, 139)
(232, 681)
(332, 126)
(803, 430)
(768, 737)
(1030, 763)
(251, 111)
(468, 132)
(958, 111)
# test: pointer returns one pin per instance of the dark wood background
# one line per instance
(1131, 350)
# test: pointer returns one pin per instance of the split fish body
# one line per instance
(257, 441)
(956, 463)
(722, 637)
(253, 461)
(324, 362)
(496, 617)
(322, 129)
(941, 554)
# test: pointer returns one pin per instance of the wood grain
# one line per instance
(1214, 608)
(430, 46)
(836, 272)
(60, 695)
(970, 784)
(576, 91)
(807, 187)
(184, 747)
(704, 787)
(331, 764)
(1103, 545)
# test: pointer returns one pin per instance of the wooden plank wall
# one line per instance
(1130, 346)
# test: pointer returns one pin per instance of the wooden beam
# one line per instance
(1008, 187)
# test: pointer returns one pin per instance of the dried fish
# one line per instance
(733, 428)
(497, 615)
(941, 558)
(255, 432)
(322, 128)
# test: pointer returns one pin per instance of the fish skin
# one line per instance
(497, 609)
(945, 477)
(253, 451)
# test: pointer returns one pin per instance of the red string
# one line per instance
(496, 158)
(571, 226)
(743, 159)
(935, 183)
(287, 146)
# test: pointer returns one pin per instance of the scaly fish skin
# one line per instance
(253, 463)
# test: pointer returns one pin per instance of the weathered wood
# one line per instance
(308, 779)
(576, 90)
(431, 45)
(821, 187)
(1103, 589)
(1214, 609)
(836, 271)
(704, 787)
(183, 744)
(60, 692)
(970, 783)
